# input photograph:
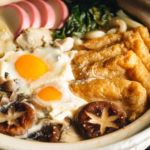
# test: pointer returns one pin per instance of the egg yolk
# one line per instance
(30, 67)
(49, 94)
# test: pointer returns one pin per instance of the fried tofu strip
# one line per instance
(96, 70)
(120, 66)
(136, 70)
(144, 34)
(134, 41)
(86, 57)
(105, 41)
(89, 63)
(99, 70)
(131, 94)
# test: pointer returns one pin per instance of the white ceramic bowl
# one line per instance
(125, 138)
(143, 122)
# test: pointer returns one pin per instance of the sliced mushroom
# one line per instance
(7, 86)
(17, 119)
(99, 118)
(48, 133)
(7, 92)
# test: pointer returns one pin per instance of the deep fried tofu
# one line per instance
(90, 63)
(136, 70)
(134, 41)
(144, 34)
(130, 94)
(105, 41)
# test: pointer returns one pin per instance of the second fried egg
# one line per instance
(57, 95)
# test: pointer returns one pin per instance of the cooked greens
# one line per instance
(85, 16)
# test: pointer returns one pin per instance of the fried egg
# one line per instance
(44, 75)
(58, 96)
(30, 70)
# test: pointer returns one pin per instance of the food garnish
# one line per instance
(84, 18)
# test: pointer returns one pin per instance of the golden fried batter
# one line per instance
(136, 70)
(97, 70)
(131, 94)
(144, 34)
(86, 57)
(100, 70)
(90, 64)
(105, 41)
(134, 41)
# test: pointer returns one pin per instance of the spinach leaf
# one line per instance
(85, 16)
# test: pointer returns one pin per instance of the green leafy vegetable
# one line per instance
(85, 16)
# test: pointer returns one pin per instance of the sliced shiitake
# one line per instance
(17, 119)
(48, 133)
(99, 118)
(7, 92)
(8, 86)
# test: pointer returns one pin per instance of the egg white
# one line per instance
(64, 107)
(58, 78)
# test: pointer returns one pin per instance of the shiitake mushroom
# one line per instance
(99, 118)
(17, 119)
(48, 133)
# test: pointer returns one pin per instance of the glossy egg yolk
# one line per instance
(49, 94)
(30, 67)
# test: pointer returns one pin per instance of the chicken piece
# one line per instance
(90, 64)
(105, 41)
(134, 41)
(31, 38)
(130, 94)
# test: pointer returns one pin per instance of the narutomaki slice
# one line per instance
(46, 12)
(16, 18)
(34, 14)
(65, 12)
(56, 5)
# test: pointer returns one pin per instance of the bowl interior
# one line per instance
(141, 123)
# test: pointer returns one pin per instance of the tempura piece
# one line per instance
(131, 94)
(105, 41)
